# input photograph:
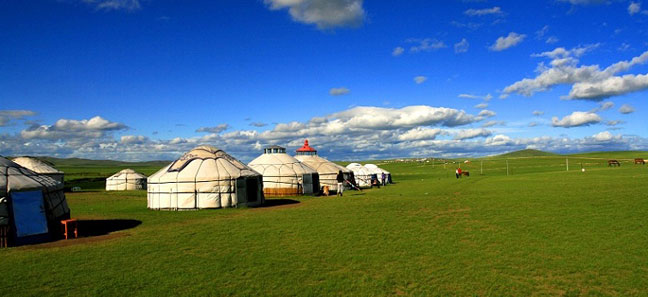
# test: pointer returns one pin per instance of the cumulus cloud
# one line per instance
(216, 129)
(472, 133)
(588, 82)
(634, 8)
(486, 113)
(134, 139)
(496, 10)
(481, 105)
(576, 119)
(398, 51)
(95, 127)
(626, 109)
(339, 91)
(8, 115)
(487, 97)
(258, 124)
(509, 41)
(461, 46)
(426, 45)
(537, 113)
(420, 133)
(325, 14)
(614, 123)
(603, 106)
(420, 79)
(108, 5)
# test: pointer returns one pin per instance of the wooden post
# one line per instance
(507, 170)
(481, 167)
(567, 162)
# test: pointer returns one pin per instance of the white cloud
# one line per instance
(472, 133)
(425, 45)
(420, 79)
(552, 40)
(509, 41)
(8, 115)
(324, 14)
(486, 113)
(542, 32)
(614, 123)
(461, 46)
(496, 10)
(216, 129)
(584, 2)
(134, 139)
(258, 124)
(576, 119)
(588, 82)
(107, 5)
(537, 113)
(420, 133)
(487, 97)
(339, 91)
(96, 127)
(626, 109)
(481, 105)
(532, 124)
(398, 51)
(604, 136)
(634, 8)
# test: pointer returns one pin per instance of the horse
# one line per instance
(640, 161)
(466, 173)
(613, 163)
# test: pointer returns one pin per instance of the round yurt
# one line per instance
(126, 180)
(379, 171)
(31, 205)
(362, 175)
(326, 169)
(40, 167)
(205, 177)
(283, 175)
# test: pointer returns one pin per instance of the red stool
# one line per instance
(69, 225)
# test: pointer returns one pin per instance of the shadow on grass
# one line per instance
(277, 202)
(89, 228)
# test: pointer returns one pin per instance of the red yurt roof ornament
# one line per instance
(306, 148)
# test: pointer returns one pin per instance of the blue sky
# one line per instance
(149, 79)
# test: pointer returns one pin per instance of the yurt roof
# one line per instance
(357, 168)
(321, 164)
(284, 163)
(130, 173)
(36, 165)
(306, 148)
(14, 177)
(375, 168)
(205, 163)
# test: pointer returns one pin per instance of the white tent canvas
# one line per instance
(326, 169)
(283, 175)
(31, 204)
(126, 180)
(379, 171)
(205, 177)
(362, 175)
(40, 167)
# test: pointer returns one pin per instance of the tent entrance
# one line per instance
(252, 189)
(29, 216)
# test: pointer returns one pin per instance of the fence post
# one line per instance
(481, 168)
(567, 162)
(507, 170)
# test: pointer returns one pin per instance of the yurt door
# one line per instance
(29, 215)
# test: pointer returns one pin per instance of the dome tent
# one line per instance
(379, 171)
(362, 175)
(31, 204)
(284, 175)
(326, 169)
(205, 177)
(126, 180)
(40, 167)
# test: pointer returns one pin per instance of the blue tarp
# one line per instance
(29, 213)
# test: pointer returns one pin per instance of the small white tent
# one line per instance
(31, 204)
(379, 171)
(126, 180)
(362, 175)
(40, 167)
(326, 169)
(205, 177)
(284, 175)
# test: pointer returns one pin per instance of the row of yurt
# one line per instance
(40, 167)
(205, 177)
(283, 175)
(126, 180)
(326, 169)
(374, 169)
(362, 175)
(31, 204)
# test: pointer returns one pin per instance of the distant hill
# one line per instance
(526, 153)
(78, 162)
(613, 154)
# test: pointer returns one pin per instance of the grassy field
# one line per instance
(540, 231)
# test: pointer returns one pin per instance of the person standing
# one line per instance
(457, 172)
(384, 179)
(340, 183)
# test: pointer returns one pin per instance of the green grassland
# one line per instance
(538, 231)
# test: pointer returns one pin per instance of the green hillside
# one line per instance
(526, 153)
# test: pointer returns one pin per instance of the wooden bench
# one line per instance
(613, 163)
(70, 225)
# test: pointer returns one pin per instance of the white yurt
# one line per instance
(31, 204)
(40, 167)
(283, 175)
(379, 171)
(126, 180)
(205, 177)
(326, 169)
(362, 175)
